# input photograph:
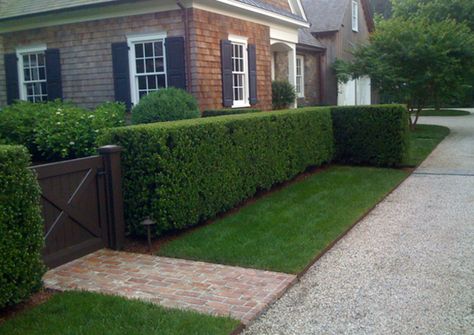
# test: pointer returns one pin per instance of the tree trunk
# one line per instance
(417, 115)
(437, 104)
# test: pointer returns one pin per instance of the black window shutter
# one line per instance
(53, 74)
(252, 74)
(175, 63)
(121, 73)
(226, 57)
(11, 76)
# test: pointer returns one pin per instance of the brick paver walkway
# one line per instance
(209, 288)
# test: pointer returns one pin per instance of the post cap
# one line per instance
(110, 149)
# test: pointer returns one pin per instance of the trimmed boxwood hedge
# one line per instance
(184, 172)
(371, 135)
(21, 227)
(228, 111)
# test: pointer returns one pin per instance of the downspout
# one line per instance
(187, 45)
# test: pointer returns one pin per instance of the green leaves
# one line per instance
(21, 227)
(185, 172)
(416, 61)
(165, 105)
(57, 130)
(283, 94)
(371, 135)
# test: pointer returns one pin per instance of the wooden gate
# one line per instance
(82, 206)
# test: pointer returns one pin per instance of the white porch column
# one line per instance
(292, 68)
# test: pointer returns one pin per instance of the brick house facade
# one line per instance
(221, 50)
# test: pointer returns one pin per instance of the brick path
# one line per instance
(208, 288)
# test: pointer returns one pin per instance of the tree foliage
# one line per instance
(415, 61)
(382, 7)
(461, 11)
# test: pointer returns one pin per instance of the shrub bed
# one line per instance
(21, 227)
(56, 130)
(228, 111)
(181, 173)
(371, 135)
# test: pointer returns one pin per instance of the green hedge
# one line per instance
(228, 111)
(21, 227)
(182, 173)
(371, 135)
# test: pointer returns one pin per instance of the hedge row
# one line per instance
(370, 135)
(228, 111)
(181, 173)
(21, 227)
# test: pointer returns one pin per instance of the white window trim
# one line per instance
(139, 38)
(246, 101)
(20, 51)
(301, 93)
(355, 15)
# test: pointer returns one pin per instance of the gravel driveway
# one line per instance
(407, 268)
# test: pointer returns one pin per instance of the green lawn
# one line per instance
(282, 231)
(443, 112)
(423, 140)
(80, 313)
(285, 230)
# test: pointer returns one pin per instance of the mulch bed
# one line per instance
(36, 299)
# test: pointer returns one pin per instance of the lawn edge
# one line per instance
(349, 228)
(410, 171)
(299, 275)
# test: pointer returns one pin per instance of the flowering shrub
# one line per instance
(56, 130)
(18, 123)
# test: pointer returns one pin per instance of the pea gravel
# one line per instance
(407, 268)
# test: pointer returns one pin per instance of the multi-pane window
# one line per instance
(34, 81)
(150, 67)
(355, 15)
(300, 76)
(239, 73)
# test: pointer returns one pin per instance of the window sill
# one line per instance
(240, 105)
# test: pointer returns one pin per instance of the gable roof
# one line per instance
(328, 15)
(16, 8)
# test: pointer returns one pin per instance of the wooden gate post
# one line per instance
(113, 176)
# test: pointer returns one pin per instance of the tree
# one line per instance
(438, 10)
(414, 61)
(382, 7)
(461, 11)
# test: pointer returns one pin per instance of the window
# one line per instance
(355, 15)
(300, 76)
(240, 86)
(147, 65)
(32, 74)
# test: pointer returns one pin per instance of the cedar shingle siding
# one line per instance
(86, 53)
(207, 31)
(86, 56)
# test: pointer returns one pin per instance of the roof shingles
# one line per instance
(17, 8)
